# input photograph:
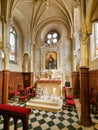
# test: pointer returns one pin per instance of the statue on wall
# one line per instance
(26, 63)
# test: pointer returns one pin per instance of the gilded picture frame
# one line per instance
(51, 60)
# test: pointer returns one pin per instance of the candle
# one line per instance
(54, 91)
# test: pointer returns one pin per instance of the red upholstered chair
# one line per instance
(69, 97)
(93, 100)
(25, 93)
(29, 92)
(15, 94)
(23, 96)
(70, 103)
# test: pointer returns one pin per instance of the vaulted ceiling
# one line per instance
(35, 14)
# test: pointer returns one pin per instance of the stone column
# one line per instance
(76, 50)
(31, 66)
(5, 48)
(84, 70)
(84, 46)
(31, 57)
(74, 60)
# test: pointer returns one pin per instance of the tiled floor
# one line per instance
(67, 119)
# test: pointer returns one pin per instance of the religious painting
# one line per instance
(51, 60)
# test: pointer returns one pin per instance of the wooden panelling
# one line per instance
(93, 82)
(93, 79)
(26, 79)
(76, 84)
(16, 81)
(1, 87)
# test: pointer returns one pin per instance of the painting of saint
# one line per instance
(51, 60)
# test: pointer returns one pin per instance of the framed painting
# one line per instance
(51, 60)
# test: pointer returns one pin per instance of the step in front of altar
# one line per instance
(47, 105)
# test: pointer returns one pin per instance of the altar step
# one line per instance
(44, 102)
(46, 105)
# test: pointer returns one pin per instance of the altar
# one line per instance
(48, 95)
(52, 87)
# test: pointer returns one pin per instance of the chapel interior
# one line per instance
(46, 46)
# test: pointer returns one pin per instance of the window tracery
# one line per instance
(52, 37)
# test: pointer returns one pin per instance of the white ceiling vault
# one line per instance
(36, 14)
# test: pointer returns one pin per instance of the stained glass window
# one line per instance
(13, 40)
(52, 37)
(96, 36)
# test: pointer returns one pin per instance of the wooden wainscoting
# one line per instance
(76, 84)
(93, 82)
(1, 75)
(93, 79)
(16, 81)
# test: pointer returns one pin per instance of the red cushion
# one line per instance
(69, 97)
(16, 109)
(23, 97)
(70, 102)
(92, 101)
(15, 93)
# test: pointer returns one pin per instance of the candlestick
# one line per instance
(54, 91)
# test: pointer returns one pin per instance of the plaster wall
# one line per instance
(64, 56)
(17, 66)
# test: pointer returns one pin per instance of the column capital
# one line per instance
(10, 21)
(77, 3)
(86, 28)
(86, 31)
(84, 38)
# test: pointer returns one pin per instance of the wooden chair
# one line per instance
(69, 97)
(29, 92)
(93, 100)
(70, 103)
(15, 94)
(25, 94)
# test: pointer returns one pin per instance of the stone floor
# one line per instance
(65, 119)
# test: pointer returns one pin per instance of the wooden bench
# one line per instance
(8, 111)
